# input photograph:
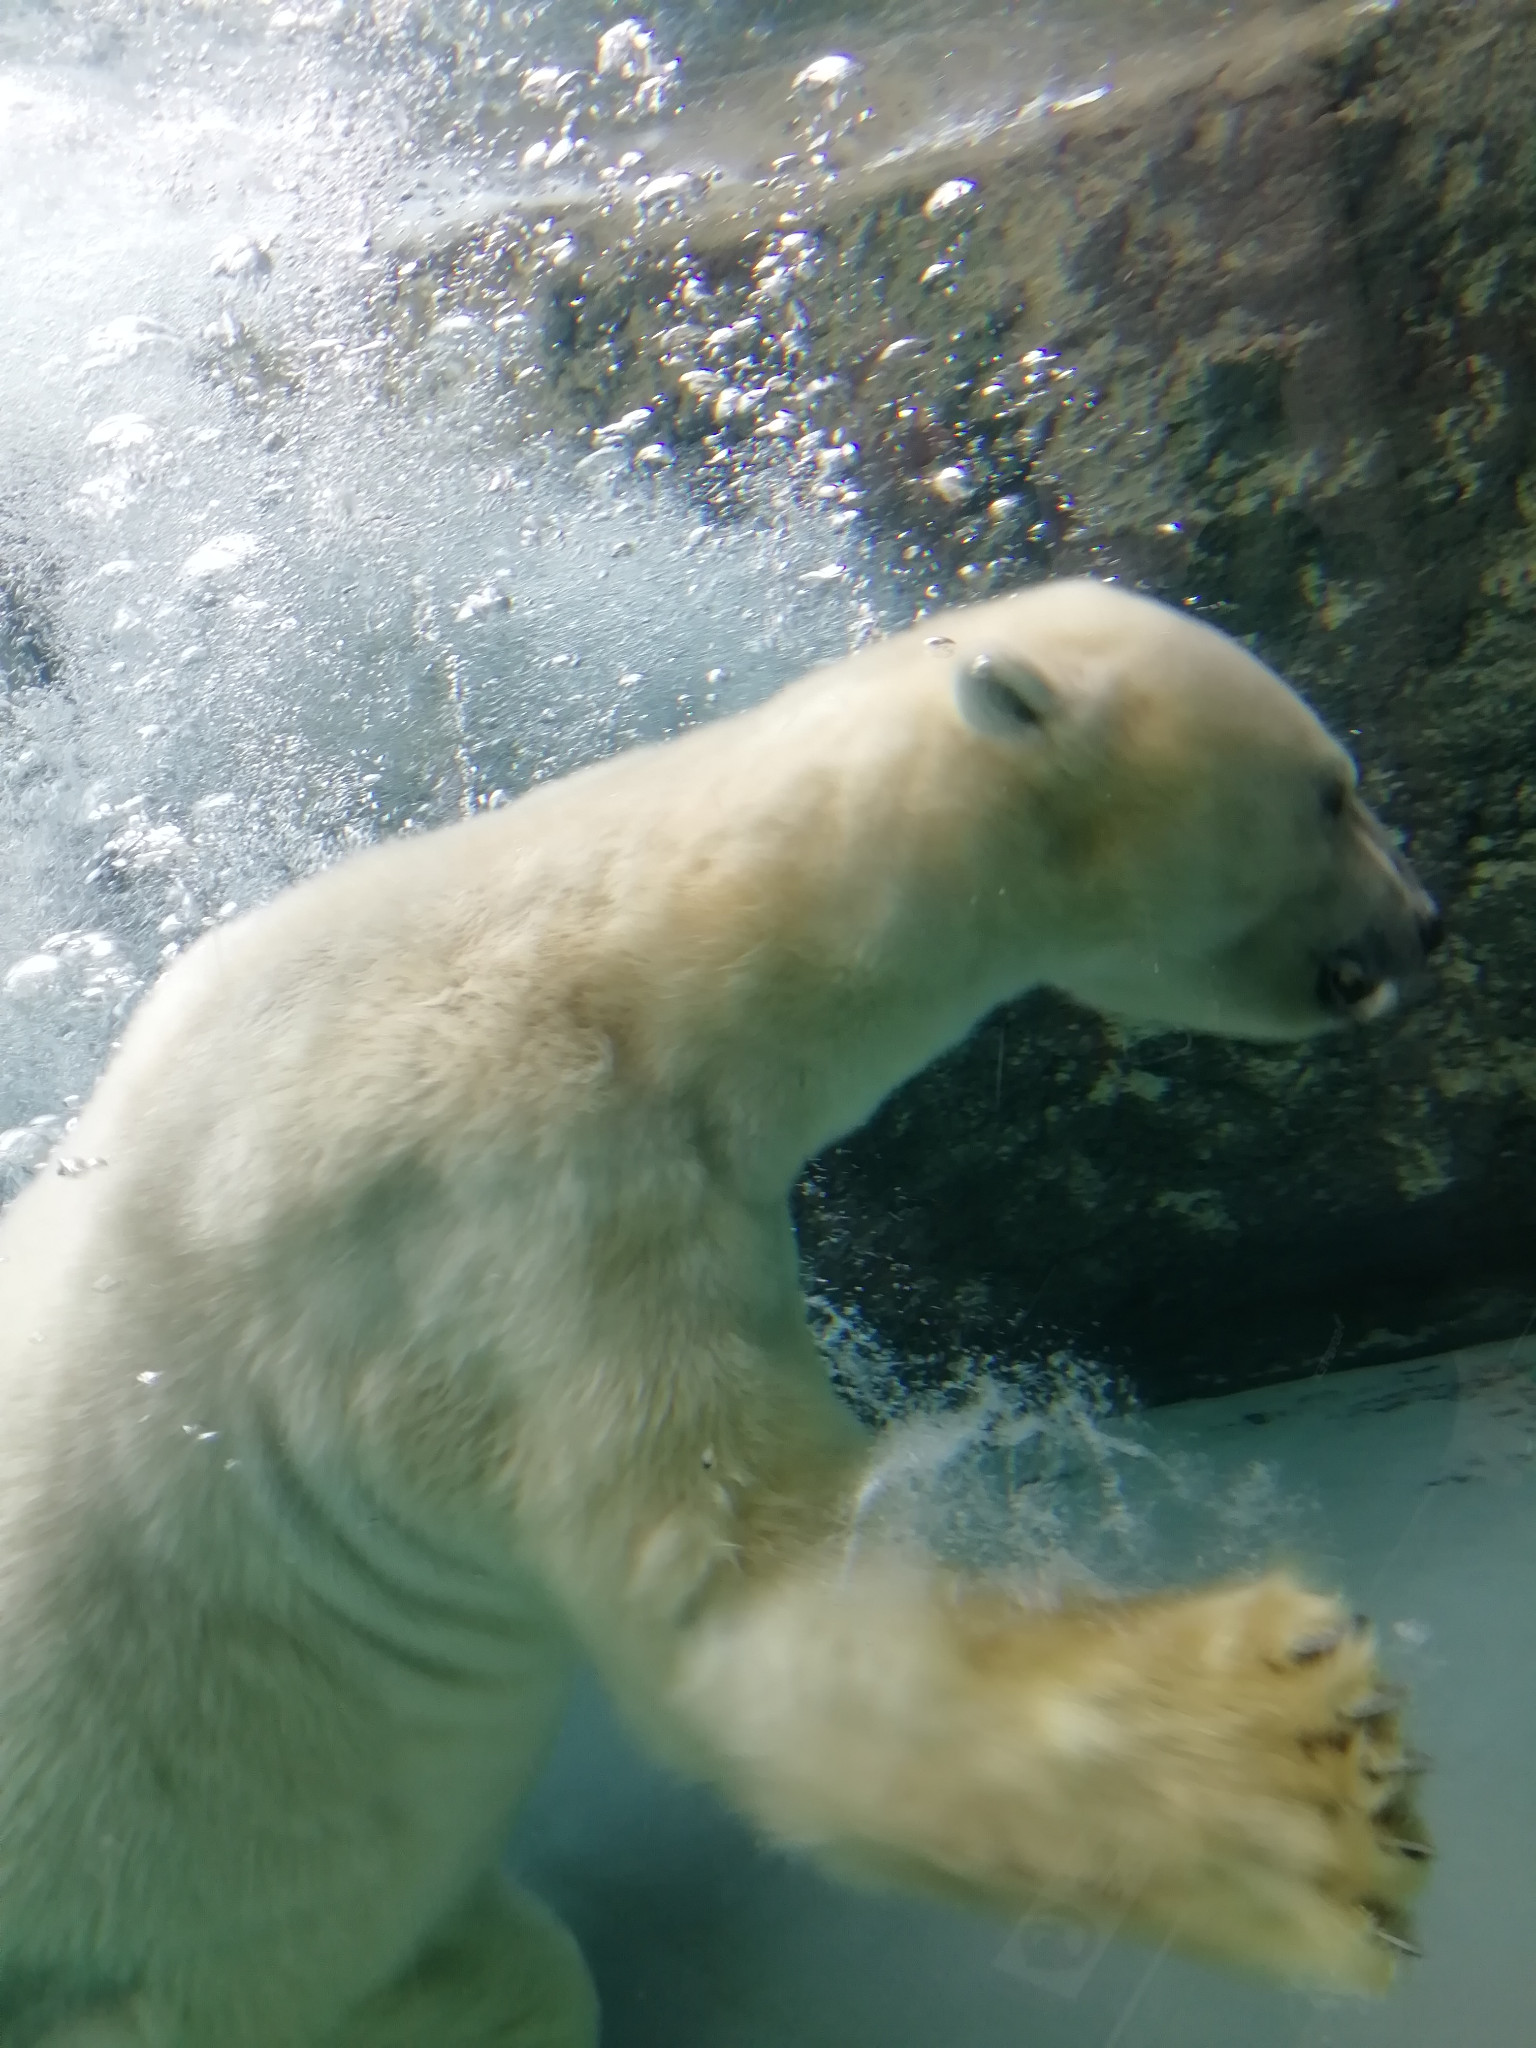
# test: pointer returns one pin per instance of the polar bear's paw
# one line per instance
(1235, 1780)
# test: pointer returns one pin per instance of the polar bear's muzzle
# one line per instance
(1366, 977)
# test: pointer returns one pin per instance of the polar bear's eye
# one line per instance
(1335, 797)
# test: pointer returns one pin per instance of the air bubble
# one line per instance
(948, 196)
(824, 73)
(121, 340)
(220, 556)
(120, 432)
(243, 259)
(29, 977)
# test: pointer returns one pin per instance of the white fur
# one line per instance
(434, 1319)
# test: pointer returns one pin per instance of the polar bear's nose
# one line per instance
(1431, 929)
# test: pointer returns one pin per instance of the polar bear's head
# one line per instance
(1196, 835)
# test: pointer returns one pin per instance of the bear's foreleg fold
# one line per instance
(504, 1973)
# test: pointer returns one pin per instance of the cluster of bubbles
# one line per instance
(274, 579)
(289, 560)
(1038, 1470)
(631, 82)
(740, 397)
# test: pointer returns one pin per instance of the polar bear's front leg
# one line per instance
(1220, 1768)
(502, 1972)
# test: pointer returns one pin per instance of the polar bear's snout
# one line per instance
(1364, 981)
(1386, 961)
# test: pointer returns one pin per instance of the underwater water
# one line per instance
(332, 506)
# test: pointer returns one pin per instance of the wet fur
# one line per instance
(434, 1320)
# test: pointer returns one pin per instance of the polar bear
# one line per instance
(414, 1309)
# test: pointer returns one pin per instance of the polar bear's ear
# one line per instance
(1003, 696)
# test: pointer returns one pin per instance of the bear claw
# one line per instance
(1385, 1700)
(1397, 1942)
(1416, 1852)
(1308, 1649)
(1411, 1763)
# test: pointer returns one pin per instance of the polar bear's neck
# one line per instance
(799, 914)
